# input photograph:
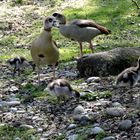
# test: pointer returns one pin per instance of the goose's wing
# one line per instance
(90, 23)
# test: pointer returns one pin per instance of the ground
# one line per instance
(29, 112)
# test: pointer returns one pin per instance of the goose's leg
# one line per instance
(53, 66)
(81, 49)
(91, 46)
(38, 72)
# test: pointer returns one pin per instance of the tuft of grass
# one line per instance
(97, 95)
(8, 132)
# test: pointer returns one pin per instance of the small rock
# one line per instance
(93, 116)
(109, 138)
(13, 89)
(71, 126)
(93, 79)
(96, 130)
(79, 110)
(116, 104)
(26, 126)
(17, 138)
(84, 120)
(13, 103)
(13, 109)
(125, 124)
(21, 111)
(68, 74)
(39, 130)
(115, 111)
(72, 137)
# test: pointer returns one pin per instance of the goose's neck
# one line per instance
(46, 34)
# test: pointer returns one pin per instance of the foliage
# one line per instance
(91, 96)
(8, 132)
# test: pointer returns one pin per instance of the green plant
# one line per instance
(8, 132)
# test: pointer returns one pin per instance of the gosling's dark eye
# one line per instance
(50, 20)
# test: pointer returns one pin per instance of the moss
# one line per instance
(8, 132)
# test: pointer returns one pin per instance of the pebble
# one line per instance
(72, 126)
(13, 89)
(93, 116)
(115, 111)
(125, 124)
(93, 79)
(96, 130)
(13, 103)
(13, 109)
(17, 138)
(116, 104)
(109, 138)
(72, 137)
(79, 110)
(84, 120)
(39, 130)
(26, 126)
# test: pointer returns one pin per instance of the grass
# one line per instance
(97, 95)
(8, 132)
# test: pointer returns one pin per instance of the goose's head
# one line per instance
(61, 18)
(49, 22)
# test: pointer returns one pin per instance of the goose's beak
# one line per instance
(56, 24)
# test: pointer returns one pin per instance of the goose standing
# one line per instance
(44, 50)
(80, 30)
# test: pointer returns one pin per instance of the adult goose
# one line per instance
(44, 50)
(80, 30)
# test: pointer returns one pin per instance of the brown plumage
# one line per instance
(130, 76)
(62, 89)
(44, 50)
(80, 30)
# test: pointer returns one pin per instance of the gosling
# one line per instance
(61, 89)
(130, 76)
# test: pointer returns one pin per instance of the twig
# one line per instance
(136, 3)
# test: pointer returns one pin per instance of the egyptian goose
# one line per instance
(130, 76)
(44, 50)
(61, 89)
(80, 30)
(18, 63)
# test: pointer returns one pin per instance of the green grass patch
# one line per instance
(92, 96)
(8, 132)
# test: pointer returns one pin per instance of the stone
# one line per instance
(39, 130)
(72, 137)
(84, 120)
(96, 130)
(26, 126)
(125, 124)
(107, 63)
(115, 111)
(13, 103)
(17, 138)
(13, 109)
(93, 79)
(109, 138)
(72, 126)
(79, 110)
(116, 104)
(13, 89)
